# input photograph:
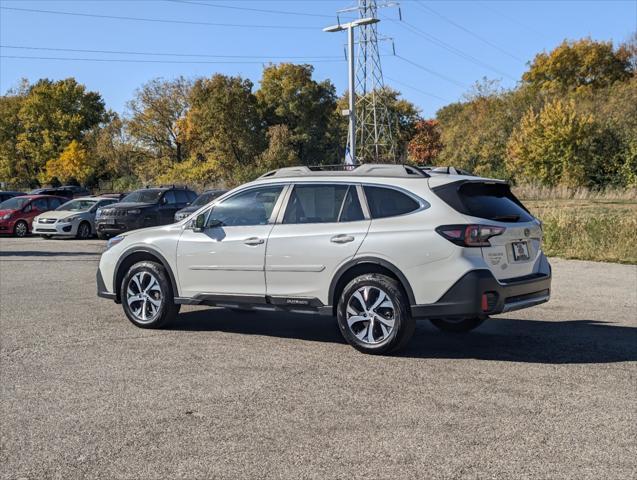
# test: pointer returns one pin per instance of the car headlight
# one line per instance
(134, 211)
(71, 219)
(114, 241)
(7, 216)
(98, 213)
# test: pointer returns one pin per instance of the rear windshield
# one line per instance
(491, 201)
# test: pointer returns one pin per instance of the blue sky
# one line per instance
(460, 41)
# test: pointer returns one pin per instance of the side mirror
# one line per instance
(199, 223)
(28, 208)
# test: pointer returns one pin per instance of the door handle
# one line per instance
(253, 241)
(342, 238)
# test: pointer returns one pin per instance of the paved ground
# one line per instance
(549, 392)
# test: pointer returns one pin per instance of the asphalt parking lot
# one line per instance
(549, 392)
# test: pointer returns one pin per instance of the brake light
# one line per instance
(470, 235)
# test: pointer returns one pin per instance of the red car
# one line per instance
(17, 213)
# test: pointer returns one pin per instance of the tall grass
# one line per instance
(540, 192)
(589, 234)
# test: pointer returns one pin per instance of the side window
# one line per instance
(191, 196)
(315, 203)
(252, 207)
(181, 196)
(387, 202)
(169, 197)
(40, 204)
(54, 202)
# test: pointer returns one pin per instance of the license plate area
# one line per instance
(520, 251)
(111, 221)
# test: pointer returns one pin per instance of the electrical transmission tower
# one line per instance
(374, 137)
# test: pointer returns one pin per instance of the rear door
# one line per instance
(322, 227)
(515, 252)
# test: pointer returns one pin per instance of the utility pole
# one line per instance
(373, 132)
(350, 157)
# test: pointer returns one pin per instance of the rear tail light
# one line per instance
(470, 235)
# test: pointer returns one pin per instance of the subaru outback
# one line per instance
(378, 246)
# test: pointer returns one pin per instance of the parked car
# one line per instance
(59, 192)
(75, 218)
(6, 195)
(143, 208)
(377, 246)
(17, 213)
(116, 196)
(76, 190)
(203, 199)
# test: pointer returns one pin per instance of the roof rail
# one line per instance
(449, 170)
(365, 169)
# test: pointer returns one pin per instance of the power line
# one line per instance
(198, 55)
(249, 9)
(158, 20)
(432, 72)
(416, 89)
(130, 60)
(436, 41)
(465, 29)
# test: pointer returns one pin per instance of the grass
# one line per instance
(584, 224)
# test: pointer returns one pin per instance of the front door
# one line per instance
(226, 259)
(323, 227)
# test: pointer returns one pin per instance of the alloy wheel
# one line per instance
(84, 231)
(21, 229)
(370, 315)
(144, 297)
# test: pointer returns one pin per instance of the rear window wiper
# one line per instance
(506, 218)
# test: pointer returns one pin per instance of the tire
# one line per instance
(83, 231)
(156, 306)
(102, 236)
(46, 237)
(21, 229)
(378, 301)
(458, 326)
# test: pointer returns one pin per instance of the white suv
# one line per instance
(378, 246)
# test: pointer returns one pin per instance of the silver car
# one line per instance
(75, 218)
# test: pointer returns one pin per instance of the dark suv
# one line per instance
(143, 208)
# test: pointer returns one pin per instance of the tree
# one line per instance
(280, 152)
(426, 144)
(554, 147)
(475, 132)
(582, 63)
(51, 116)
(73, 163)
(13, 166)
(224, 127)
(157, 115)
(289, 96)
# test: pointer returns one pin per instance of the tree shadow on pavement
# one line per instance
(498, 339)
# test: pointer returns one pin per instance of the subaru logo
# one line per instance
(527, 232)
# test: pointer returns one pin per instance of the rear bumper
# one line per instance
(465, 297)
